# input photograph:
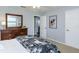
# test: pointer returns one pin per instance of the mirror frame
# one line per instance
(14, 15)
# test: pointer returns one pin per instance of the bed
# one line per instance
(37, 45)
(11, 46)
(24, 44)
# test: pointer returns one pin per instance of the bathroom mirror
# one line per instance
(13, 20)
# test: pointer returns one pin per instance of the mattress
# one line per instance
(11, 46)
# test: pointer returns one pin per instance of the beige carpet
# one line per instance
(66, 49)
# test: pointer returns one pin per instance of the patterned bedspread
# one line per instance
(38, 45)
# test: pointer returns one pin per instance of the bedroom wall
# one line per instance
(28, 19)
(59, 33)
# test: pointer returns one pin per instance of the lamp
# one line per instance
(3, 23)
(36, 6)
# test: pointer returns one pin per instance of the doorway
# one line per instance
(37, 26)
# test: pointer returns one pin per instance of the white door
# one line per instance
(72, 27)
(43, 27)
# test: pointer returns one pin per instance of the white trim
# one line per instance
(61, 43)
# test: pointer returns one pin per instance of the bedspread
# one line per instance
(38, 45)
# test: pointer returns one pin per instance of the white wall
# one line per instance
(28, 16)
(59, 33)
(43, 27)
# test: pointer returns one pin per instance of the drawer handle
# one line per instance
(21, 32)
(9, 34)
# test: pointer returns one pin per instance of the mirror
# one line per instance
(13, 20)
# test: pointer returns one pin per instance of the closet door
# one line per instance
(72, 27)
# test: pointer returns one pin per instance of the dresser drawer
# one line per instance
(12, 33)
(6, 36)
(6, 31)
(23, 32)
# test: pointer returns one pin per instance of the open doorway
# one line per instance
(37, 26)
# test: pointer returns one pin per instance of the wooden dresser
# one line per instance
(12, 33)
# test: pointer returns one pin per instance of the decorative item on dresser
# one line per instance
(12, 33)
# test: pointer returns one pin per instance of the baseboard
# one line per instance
(61, 43)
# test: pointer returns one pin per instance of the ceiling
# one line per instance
(44, 9)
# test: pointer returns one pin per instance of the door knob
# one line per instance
(67, 30)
